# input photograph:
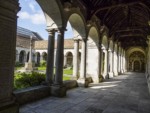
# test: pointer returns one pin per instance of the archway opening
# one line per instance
(78, 28)
(92, 62)
(69, 62)
(136, 61)
(22, 57)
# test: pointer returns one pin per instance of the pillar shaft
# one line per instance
(50, 56)
(8, 26)
(115, 65)
(106, 64)
(83, 60)
(76, 59)
(30, 54)
(59, 58)
(110, 61)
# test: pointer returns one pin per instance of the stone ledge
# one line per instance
(58, 91)
(12, 108)
(84, 82)
(69, 84)
(24, 96)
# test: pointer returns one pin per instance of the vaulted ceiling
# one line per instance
(127, 20)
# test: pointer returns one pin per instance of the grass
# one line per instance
(41, 68)
(68, 71)
(66, 78)
(65, 72)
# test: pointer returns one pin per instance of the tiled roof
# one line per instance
(27, 33)
(68, 44)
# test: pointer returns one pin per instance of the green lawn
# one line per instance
(68, 71)
(41, 68)
(65, 72)
(66, 78)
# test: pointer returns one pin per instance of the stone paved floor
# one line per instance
(123, 94)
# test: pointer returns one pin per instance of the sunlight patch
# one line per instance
(101, 87)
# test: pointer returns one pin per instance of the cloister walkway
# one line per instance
(126, 93)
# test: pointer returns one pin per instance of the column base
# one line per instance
(111, 74)
(115, 74)
(106, 76)
(10, 108)
(29, 67)
(122, 71)
(74, 78)
(82, 82)
(58, 91)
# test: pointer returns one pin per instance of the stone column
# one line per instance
(148, 64)
(110, 64)
(119, 60)
(122, 64)
(50, 56)
(30, 54)
(105, 74)
(115, 66)
(8, 26)
(82, 80)
(29, 64)
(75, 60)
(58, 89)
(102, 67)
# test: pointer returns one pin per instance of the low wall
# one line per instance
(31, 94)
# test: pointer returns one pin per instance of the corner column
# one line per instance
(50, 56)
(58, 89)
(148, 64)
(75, 60)
(8, 27)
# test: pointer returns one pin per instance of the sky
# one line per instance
(31, 17)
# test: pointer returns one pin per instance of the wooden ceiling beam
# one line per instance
(114, 6)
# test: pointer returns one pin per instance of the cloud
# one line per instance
(23, 15)
(36, 18)
(32, 6)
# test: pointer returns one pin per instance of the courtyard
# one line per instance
(126, 93)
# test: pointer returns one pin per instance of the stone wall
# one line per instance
(23, 42)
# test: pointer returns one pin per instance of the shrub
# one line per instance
(43, 63)
(18, 64)
(24, 80)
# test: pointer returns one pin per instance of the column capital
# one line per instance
(51, 31)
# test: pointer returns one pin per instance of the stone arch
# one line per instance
(28, 55)
(37, 58)
(111, 45)
(44, 56)
(69, 59)
(104, 60)
(129, 52)
(104, 41)
(78, 25)
(136, 65)
(132, 49)
(136, 56)
(53, 12)
(22, 56)
(93, 54)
